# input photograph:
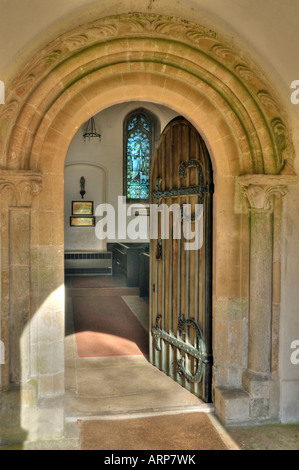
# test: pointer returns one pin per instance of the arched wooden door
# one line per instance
(181, 273)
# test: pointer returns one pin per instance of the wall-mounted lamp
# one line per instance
(82, 186)
(90, 130)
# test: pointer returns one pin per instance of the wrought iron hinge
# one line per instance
(198, 190)
(198, 352)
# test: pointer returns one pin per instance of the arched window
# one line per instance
(139, 136)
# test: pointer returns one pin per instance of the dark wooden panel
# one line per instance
(126, 260)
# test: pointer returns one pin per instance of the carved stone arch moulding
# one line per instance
(184, 51)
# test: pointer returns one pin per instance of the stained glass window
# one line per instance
(137, 155)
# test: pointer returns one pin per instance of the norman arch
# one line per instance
(195, 72)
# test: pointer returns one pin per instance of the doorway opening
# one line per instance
(108, 323)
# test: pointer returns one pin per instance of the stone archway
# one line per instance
(195, 72)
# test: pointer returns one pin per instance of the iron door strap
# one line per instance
(198, 352)
(199, 189)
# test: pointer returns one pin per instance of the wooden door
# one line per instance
(180, 277)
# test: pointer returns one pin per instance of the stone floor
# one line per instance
(130, 388)
(133, 388)
(266, 437)
(124, 388)
(118, 386)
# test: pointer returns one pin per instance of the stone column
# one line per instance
(17, 190)
(259, 191)
(260, 279)
(19, 273)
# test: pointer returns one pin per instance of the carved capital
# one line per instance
(259, 190)
(260, 197)
(19, 188)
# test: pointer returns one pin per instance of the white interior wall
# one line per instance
(101, 164)
(83, 238)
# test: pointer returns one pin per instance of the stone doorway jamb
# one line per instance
(260, 192)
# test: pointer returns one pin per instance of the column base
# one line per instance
(264, 396)
(257, 402)
(231, 406)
